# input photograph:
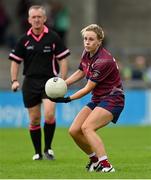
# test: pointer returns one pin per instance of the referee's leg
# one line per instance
(35, 130)
(49, 128)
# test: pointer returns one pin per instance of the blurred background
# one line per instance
(127, 29)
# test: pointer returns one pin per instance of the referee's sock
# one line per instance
(35, 133)
(49, 130)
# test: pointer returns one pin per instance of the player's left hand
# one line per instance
(61, 99)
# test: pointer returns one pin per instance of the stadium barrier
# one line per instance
(13, 114)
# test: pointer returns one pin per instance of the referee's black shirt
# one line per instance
(39, 53)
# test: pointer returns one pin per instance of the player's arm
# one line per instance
(76, 76)
(85, 90)
(82, 92)
(14, 75)
(63, 68)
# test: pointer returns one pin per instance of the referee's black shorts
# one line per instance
(33, 90)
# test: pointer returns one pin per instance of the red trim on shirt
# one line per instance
(15, 57)
(40, 36)
(63, 53)
(26, 43)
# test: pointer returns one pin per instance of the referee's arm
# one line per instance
(63, 68)
(14, 74)
(14, 71)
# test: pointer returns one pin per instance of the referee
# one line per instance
(43, 56)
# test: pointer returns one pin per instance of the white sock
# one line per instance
(102, 158)
(92, 154)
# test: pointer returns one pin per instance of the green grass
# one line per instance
(129, 150)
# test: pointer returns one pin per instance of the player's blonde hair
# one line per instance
(95, 28)
(37, 7)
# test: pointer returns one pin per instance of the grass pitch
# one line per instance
(128, 148)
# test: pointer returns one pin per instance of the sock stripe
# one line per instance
(33, 127)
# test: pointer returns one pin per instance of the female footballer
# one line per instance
(107, 102)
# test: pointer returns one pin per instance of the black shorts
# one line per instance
(33, 91)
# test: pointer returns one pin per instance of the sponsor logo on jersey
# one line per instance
(30, 47)
(47, 49)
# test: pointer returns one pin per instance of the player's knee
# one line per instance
(73, 131)
(85, 128)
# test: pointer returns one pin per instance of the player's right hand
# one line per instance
(61, 99)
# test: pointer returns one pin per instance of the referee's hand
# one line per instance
(15, 86)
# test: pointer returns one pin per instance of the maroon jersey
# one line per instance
(102, 69)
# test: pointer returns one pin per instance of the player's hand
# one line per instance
(15, 86)
(61, 99)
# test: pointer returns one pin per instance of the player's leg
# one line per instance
(98, 118)
(79, 138)
(35, 130)
(49, 127)
(77, 134)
